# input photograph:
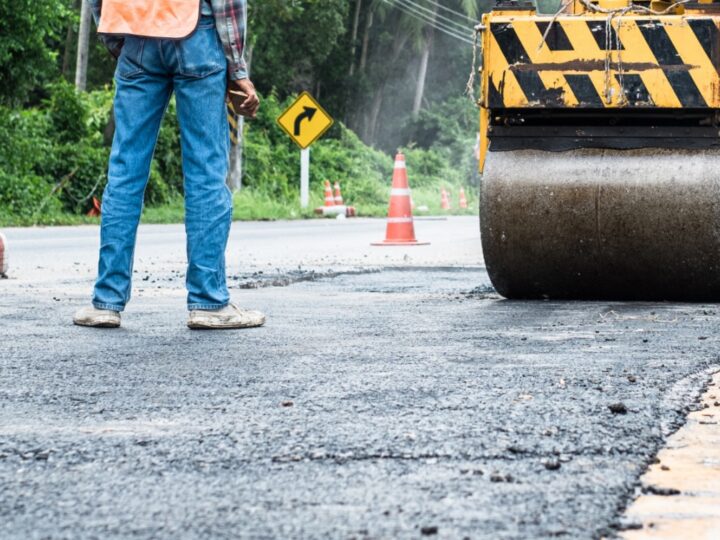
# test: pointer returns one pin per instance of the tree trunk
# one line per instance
(83, 47)
(366, 42)
(375, 114)
(67, 53)
(371, 119)
(249, 56)
(422, 72)
(353, 40)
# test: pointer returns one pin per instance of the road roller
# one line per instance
(600, 150)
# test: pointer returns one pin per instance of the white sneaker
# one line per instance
(228, 317)
(98, 318)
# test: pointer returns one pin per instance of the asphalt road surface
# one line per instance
(392, 394)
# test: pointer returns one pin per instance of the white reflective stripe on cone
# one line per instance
(399, 220)
(334, 210)
(400, 192)
(400, 165)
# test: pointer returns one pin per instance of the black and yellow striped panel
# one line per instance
(233, 123)
(665, 61)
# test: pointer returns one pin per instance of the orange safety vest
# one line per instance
(166, 19)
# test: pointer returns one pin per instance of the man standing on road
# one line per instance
(193, 48)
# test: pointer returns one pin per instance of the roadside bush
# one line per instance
(168, 159)
(77, 159)
(79, 171)
(68, 113)
(157, 191)
(447, 131)
(23, 196)
(23, 149)
(54, 159)
(427, 168)
(364, 173)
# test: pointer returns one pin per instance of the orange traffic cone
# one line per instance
(444, 200)
(400, 228)
(338, 194)
(334, 205)
(329, 199)
(95, 210)
(3, 255)
(463, 199)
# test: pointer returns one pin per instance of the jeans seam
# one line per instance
(140, 69)
(111, 307)
(207, 307)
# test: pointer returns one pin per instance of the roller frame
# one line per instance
(608, 198)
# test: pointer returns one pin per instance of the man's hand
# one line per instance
(249, 106)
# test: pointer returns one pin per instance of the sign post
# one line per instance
(305, 121)
(305, 177)
(236, 122)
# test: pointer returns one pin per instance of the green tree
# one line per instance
(30, 31)
(409, 54)
(448, 21)
(290, 42)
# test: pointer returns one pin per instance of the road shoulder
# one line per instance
(681, 491)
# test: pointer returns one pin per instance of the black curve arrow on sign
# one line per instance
(308, 113)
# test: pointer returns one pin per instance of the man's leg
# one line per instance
(208, 202)
(140, 102)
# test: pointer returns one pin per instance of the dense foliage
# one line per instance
(29, 33)
(362, 59)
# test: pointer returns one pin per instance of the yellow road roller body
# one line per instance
(600, 151)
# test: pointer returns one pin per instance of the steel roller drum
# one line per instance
(603, 224)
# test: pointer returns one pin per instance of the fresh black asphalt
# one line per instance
(392, 404)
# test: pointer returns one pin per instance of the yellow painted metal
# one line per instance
(604, 72)
(554, 222)
(233, 123)
(576, 8)
(662, 5)
(484, 137)
(613, 4)
(511, 12)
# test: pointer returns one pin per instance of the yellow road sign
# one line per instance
(305, 121)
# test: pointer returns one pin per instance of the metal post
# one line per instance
(234, 180)
(305, 178)
(83, 46)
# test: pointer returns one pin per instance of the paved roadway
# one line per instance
(392, 394)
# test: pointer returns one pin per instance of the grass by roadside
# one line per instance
(46, 219)
(249, 205)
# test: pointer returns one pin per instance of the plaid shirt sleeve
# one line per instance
(231, 22)
(113, 43)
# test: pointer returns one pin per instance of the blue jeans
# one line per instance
(148, 72)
